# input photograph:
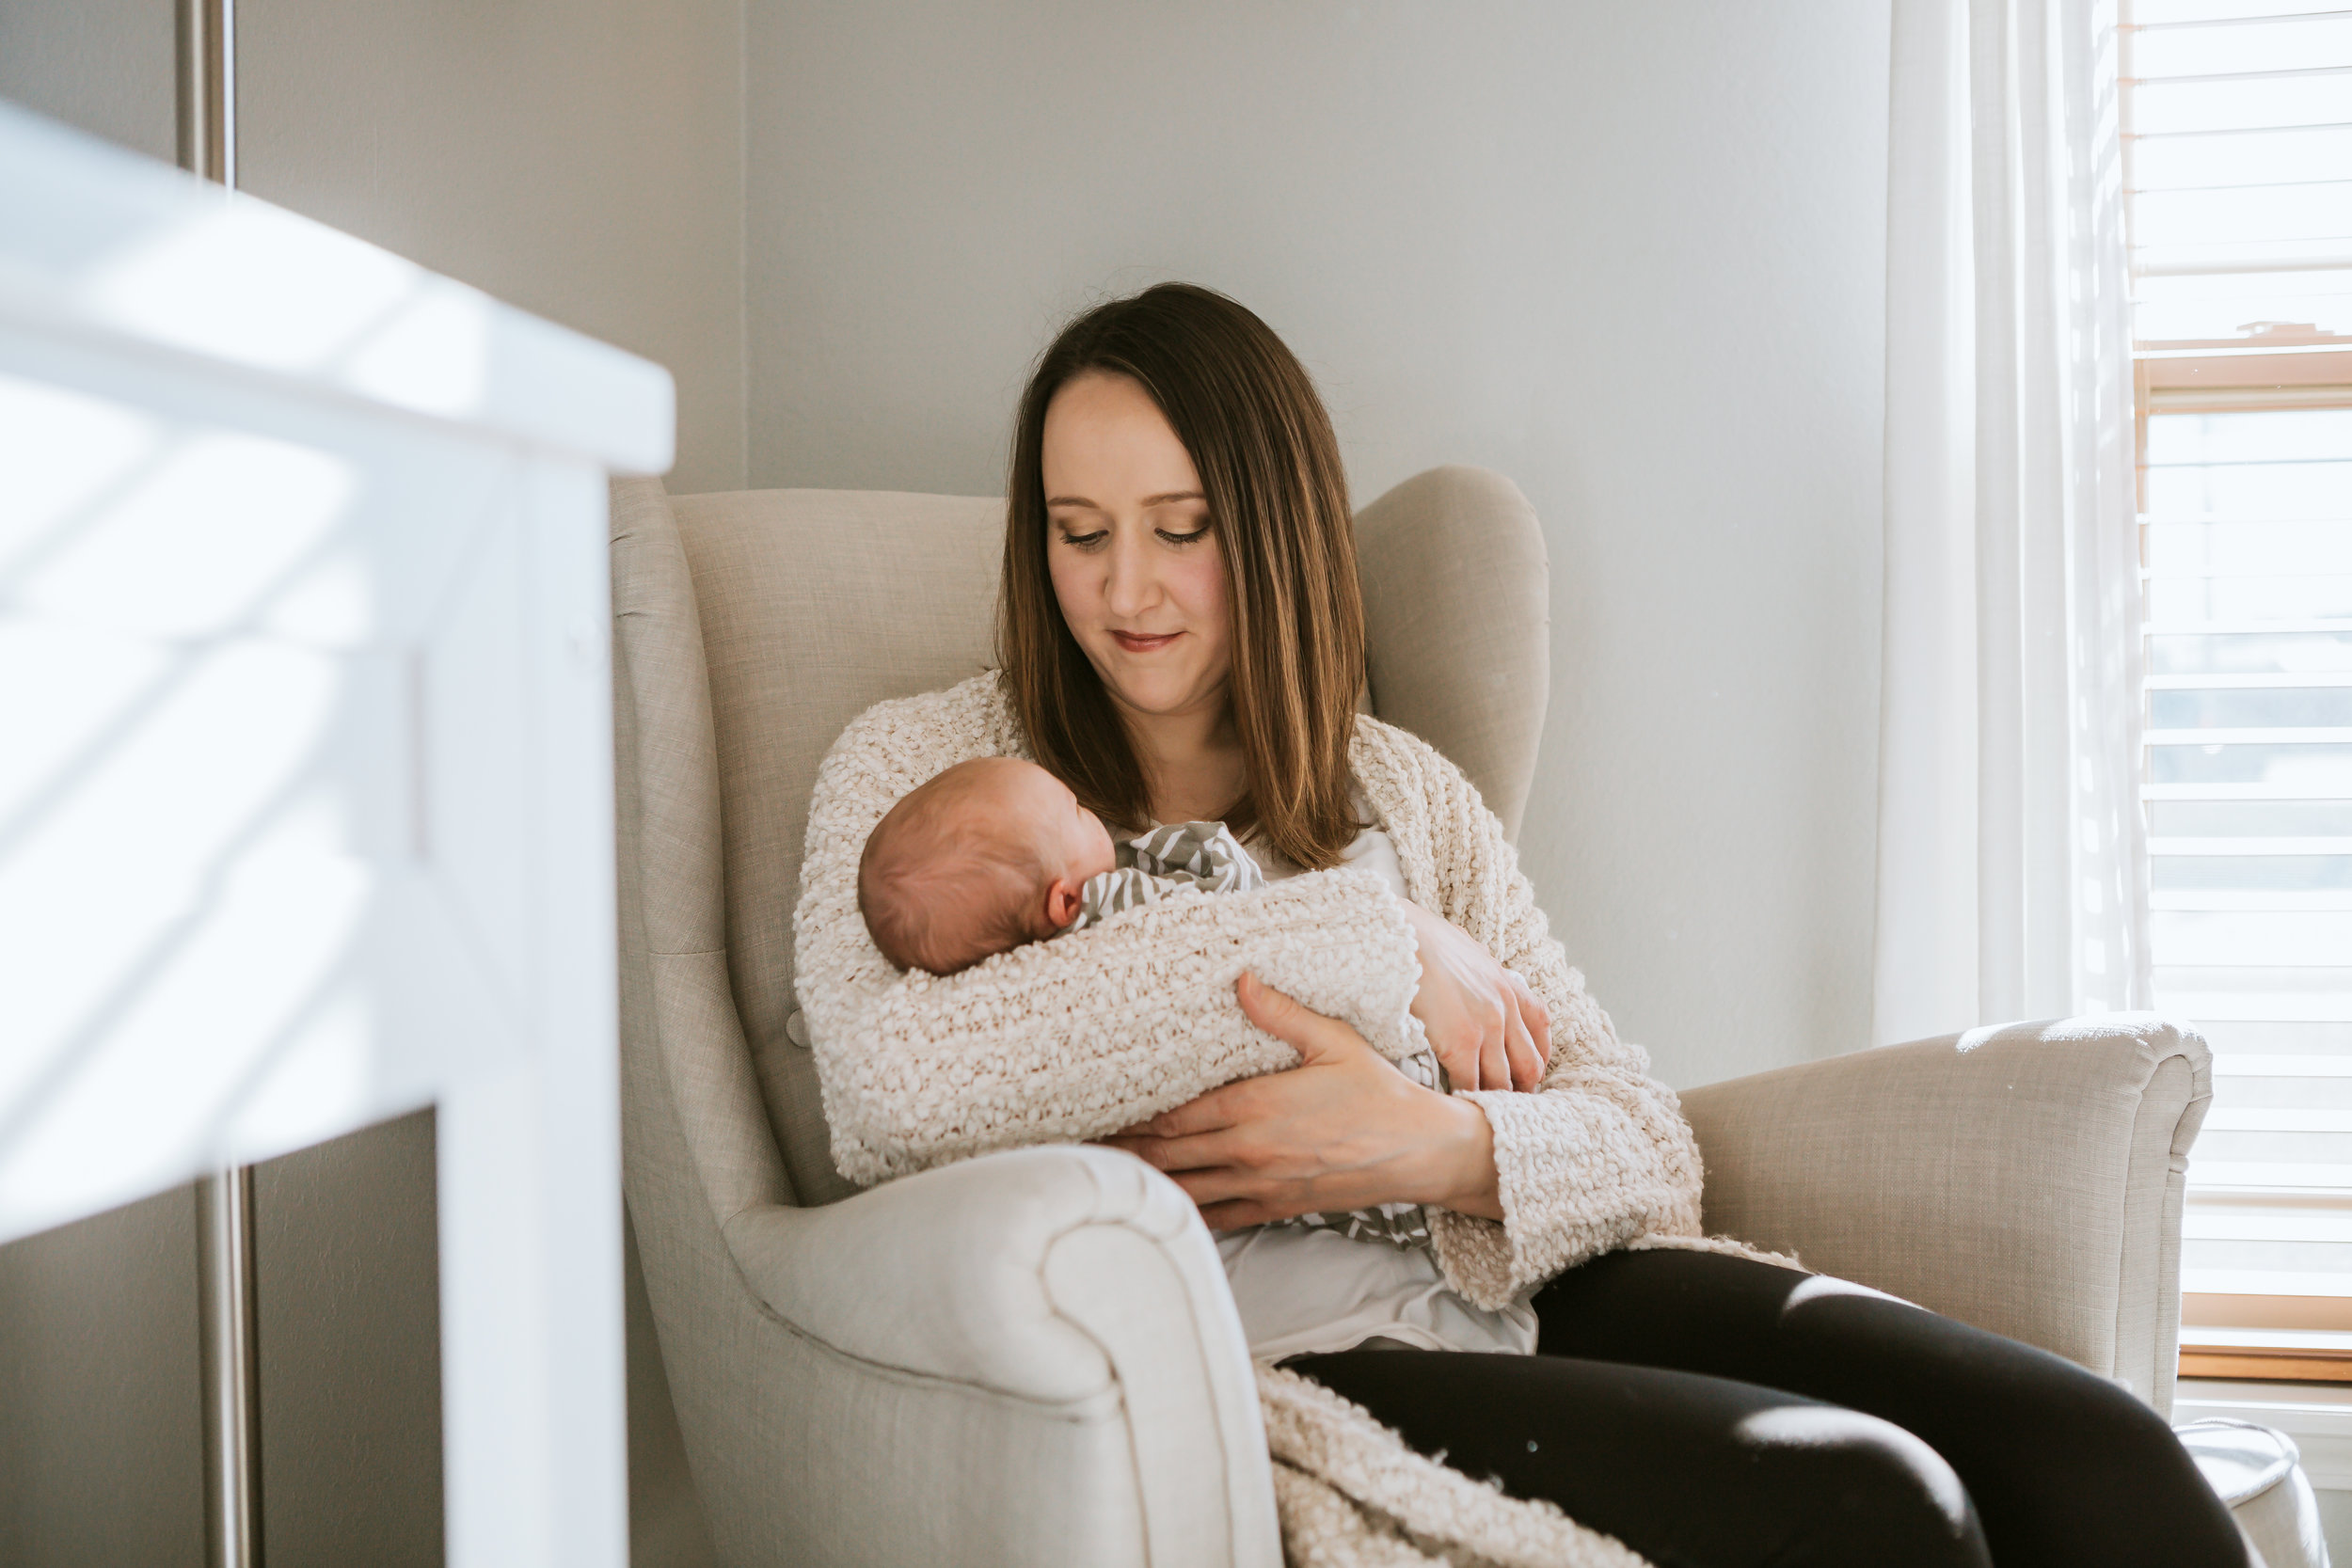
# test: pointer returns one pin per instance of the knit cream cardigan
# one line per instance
(1072, 1038)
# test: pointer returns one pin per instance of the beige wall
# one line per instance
(101, 1441)
(104, 65)
(580, 158)
(347, 1302)
(1630, 255)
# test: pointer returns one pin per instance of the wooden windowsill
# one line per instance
(2273, 1338)
(2255, 376)
(2268, 1339)
(2266, 1366)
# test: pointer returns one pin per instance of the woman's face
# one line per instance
(1134, 555)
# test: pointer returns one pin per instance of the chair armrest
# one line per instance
(1070, 1276)
(2027, 1179)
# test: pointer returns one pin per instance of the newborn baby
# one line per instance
(997, 852)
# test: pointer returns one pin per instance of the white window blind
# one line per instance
(2237, 119)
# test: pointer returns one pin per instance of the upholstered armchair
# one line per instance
(1032, 1358)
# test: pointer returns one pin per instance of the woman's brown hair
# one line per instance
(1247, 413)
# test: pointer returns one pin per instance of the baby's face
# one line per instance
(1076, 840)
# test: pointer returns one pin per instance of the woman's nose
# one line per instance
(1134, 583)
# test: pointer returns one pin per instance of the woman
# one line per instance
(1182, 639)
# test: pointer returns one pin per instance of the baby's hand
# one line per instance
(1487, 1028)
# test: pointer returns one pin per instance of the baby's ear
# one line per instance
(1063, 903)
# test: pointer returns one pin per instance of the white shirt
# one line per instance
(1303, 1291)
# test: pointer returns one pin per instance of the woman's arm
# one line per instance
(1597, 1156)
(1343, 1130)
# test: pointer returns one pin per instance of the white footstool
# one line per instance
(2259, 1473)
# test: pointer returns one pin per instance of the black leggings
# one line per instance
(1712, 1412)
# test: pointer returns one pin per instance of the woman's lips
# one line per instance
(1144, 643)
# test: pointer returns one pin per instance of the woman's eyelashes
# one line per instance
(1094, 539)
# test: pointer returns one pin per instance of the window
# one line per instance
(2237, 121)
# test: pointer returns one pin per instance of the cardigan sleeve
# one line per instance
(1071, 1037)
(1597, 1155)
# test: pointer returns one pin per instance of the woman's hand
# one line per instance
(1343, 1130)
(1486, 1027)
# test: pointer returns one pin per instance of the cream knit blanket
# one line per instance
(1068, 1039)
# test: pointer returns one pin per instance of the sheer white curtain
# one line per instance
(2011, 878)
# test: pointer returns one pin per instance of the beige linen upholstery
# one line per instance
(815, 604)
(2026, 1179)
(1452, 559)
(1032, 1358)
(2259, 1473)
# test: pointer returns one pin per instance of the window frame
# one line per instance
(2269, 1338)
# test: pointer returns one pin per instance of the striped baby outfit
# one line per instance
(1206, 856)
(1202, 855)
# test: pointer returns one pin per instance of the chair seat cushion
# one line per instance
(2259, 1473)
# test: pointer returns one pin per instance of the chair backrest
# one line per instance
(815, 604)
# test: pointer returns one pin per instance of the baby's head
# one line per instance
(987, 856)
